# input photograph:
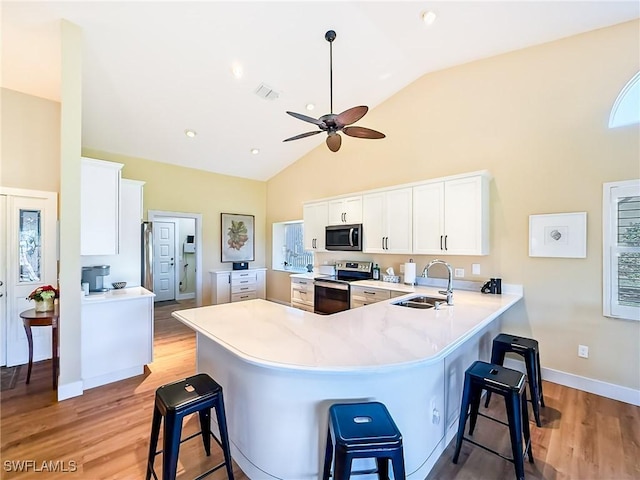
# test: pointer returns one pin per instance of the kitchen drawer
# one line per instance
(302, 296)
(240, 297)
(361, 296)
(243, 275)
(302, 283)
(243, 287)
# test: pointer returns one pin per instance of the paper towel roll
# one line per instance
(410, 273)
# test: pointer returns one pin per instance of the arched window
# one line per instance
(626, 109)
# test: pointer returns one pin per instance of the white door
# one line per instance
(3, 279)
(164, 282)
(30, 226)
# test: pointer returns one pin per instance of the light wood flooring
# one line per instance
(105, 432)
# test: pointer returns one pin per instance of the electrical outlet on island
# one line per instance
(583, 351)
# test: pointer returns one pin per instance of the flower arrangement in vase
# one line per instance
(44, 297)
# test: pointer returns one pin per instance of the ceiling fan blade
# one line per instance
(352, 115)
(334, 140)
(306, 118)
(362, 132)
(302, 135)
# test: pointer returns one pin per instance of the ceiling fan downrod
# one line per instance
(330, 36)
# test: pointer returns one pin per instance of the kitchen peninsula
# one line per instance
(281, 368)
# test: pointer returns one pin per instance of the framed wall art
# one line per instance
(558, 235)
(238, 237)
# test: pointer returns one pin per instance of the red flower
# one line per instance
(40, 293)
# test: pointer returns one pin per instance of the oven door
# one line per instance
(330, 297)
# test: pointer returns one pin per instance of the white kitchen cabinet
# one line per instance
(361, 296)
(452, 217)
(302, 291)
(345, 210)
(116, 336)
(237, 285)
(315, 217)
(99, 207)
(387, 221)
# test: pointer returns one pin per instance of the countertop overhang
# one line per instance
(117, 295)
(375, 337)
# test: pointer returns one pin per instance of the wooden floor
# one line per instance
(104, 434)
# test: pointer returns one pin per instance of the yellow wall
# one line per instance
(178, 189)
(537, 120)
(30, 142)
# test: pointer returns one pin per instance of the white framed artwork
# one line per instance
(558, 235)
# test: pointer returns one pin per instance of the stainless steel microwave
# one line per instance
(344, 238)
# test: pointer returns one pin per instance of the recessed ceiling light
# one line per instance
(255, 151)
(190, 133)
(236, 69)
(310, 106)
(428, 17)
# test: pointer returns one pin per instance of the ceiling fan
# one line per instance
(333, 123)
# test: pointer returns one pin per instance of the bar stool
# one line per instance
(512, 386)
(174, 401)
(362, 430)
(527, 348)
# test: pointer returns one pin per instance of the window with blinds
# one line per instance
(621, 256)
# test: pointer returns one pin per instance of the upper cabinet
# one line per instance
(452, 217)
(386, 219)
(315, 217)
(345, 210)
(99, 207)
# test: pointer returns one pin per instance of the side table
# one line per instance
(31, 318)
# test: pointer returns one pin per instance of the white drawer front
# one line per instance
(243, 275)
(303, 296)
(243, 287)
(240, 297)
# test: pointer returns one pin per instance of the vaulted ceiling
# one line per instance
(154, 69)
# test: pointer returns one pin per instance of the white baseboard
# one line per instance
(112, 377)
(186, 296)
(597, 387)
(69, 390)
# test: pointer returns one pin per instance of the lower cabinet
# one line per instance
(117, 339)
(302, 292)
(237, 285)
(361, 296)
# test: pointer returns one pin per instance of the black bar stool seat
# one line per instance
(511, 385)
(527, 348)
(362, 430)
(174, 401)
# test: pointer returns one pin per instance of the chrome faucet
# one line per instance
(449, 291)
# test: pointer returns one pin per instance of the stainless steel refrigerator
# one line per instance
(147, 256)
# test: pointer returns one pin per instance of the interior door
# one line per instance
(31, 242)
(164, 244)
(3, 279)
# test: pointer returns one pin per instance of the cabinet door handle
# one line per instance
(441, 237)
(383, 243)
(244, 288)
(445, 242)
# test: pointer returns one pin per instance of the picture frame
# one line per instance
(561, 235)
(237, 237)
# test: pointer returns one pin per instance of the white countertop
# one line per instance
(116, 295)
(308, 275)
(372, 337)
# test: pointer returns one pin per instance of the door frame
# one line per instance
(164, 216)
(8, 192)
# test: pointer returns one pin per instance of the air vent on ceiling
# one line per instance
(266, 92)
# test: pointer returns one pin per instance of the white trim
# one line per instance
(69, 390)
(628, 100)
(151, 216)
(590, 385)
(185, 296)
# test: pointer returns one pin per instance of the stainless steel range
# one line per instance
(332, 294)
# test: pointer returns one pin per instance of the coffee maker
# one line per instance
(94, 276)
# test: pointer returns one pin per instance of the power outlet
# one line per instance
(402, 268)
(475, 268)
(458, 273)
(583, 351)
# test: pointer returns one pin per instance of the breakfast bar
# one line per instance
(281, 368)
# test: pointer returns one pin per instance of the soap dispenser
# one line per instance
(376, 272)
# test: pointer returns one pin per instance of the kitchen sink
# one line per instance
(421, 301)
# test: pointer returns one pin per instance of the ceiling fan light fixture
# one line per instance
(333, 123)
